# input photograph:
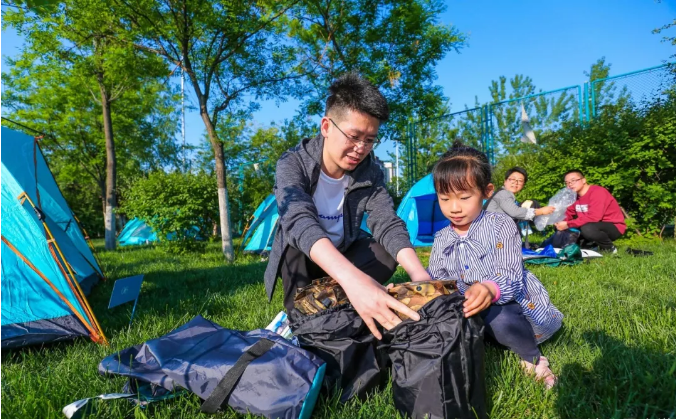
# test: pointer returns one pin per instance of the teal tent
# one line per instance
(261, 231)
(136, 232)
(421, 212)
(47, 265)
(260, 234)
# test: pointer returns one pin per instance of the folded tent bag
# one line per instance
(438, 362)
(340, 337)
(257, 372)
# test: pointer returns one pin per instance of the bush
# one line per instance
(180, 207)
(629, 151)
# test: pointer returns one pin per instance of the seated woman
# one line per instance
(504, 200)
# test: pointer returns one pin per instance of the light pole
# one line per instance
(240, 187)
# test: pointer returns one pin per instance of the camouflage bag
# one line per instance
(416, 294)
(320, 295)
(325, 293)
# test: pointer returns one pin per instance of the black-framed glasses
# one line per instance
(516, 181)
(367, 144)
(573, 181)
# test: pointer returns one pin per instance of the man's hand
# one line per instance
(477, 298)
(561, 225)
(373, 303)
(367, 296)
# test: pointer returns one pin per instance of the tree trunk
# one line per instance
(102, 187)
(224, 212)
(111, 166)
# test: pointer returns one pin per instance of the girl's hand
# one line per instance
(477, 298)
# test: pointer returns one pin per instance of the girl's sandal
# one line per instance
(541, 371)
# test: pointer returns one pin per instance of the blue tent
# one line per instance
(47, 265)
(421, 212)
(136, 232)
(261, 231)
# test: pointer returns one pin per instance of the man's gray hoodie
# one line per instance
(295, 182)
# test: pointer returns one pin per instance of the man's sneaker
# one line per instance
(611, 250)
(638, 252)
(541, 371)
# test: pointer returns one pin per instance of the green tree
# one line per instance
(545, 112)
(501, 119)
(666, 38)
(266, 145)
(394, 44)
(230, 52)
(76, 36)
(255, 164)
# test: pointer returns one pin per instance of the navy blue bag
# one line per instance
(258, 372)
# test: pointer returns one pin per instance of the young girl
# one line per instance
(483, 251)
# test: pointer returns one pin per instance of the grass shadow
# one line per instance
(183, 294)
(622, 381)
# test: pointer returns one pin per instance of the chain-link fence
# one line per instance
(638, 88)
(520, 120)
(500, 128)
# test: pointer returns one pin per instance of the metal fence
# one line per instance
(540, 112)
(496, 128)
(640, 88)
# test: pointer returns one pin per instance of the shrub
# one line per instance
(180, 207)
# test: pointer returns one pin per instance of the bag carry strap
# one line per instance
(228, 382)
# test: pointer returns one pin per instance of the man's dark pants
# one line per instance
(297, 270)
(602, 233)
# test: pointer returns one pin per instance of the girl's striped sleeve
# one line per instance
(508, 273)
(436, 264)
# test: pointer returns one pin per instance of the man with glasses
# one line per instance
(596, 213)
(323, 187)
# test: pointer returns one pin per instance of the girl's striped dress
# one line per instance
(491, 251)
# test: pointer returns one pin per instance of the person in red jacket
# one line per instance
(595, 213)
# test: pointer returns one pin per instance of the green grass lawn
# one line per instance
(615, 356)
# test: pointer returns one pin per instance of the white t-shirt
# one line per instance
(328, 198)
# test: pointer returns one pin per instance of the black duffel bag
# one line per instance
(438, 362)
(342, 340)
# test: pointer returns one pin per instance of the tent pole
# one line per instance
(94, 335)
(72, 281)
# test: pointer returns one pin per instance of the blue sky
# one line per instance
(553, 42)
